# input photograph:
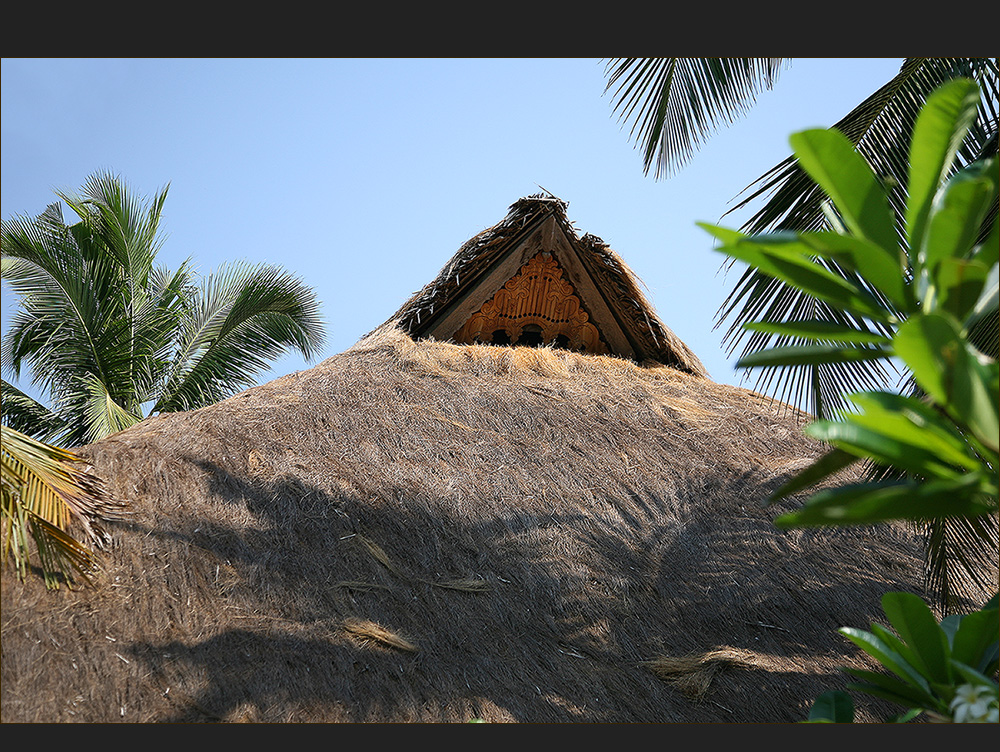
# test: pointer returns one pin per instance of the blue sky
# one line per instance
(364, 176)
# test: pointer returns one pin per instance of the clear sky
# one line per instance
(364, 176)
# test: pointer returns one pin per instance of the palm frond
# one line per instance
(64, 300)
(958, 551)
(45, 492)
(675, 103)
(105, 332)
(816, 389)
(101, 414)
(70, 336)
(880, 129)
(26, 415)
(127, 223)
(242, 318)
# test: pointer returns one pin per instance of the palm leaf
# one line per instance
(957, 554)
(240, 319)
(45, 491)
(127, 224)
(675, 103)
(819, 389)
(880, 128)
(28, 416)
(68, 312)
(102, 415)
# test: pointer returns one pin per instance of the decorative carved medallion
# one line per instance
(536, 307)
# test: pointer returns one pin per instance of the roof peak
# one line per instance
(582, 286)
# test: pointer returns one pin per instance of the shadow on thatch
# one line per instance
(428, 532)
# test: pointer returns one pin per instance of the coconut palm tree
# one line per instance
(674, 104)
(113, 338)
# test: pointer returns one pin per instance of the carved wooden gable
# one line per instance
(537, 306)
(533, 291)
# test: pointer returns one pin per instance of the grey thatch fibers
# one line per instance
(419, 531)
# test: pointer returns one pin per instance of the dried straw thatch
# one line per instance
(431, 532)
(422, 531)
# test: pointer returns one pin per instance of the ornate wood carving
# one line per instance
(536, 305)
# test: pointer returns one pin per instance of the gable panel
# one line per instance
(536, 306)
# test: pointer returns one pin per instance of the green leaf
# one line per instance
(958, 287)
(975, 642)
(834, 707)
(889, 658)
(890, 688)
(896, 644)
(912, 423)
(788, 259)
(989, 250)
(949, 370)
(989, 298)
(937, 134)
(831, 160)
(957, 216)
(877, 502)
(916, 625)
(971, 676)
(893, 441)
(949, 625)
(886, 272)
(830, 463)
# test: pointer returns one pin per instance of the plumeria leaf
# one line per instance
(937, 135)
(831, 160)
(916, 625)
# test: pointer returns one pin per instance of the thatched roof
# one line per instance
(420, 530)
(609, 292)
(423, 531)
